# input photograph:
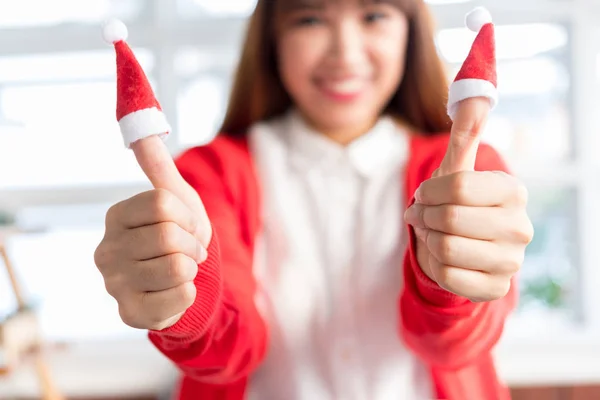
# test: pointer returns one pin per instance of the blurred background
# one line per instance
(62, 164)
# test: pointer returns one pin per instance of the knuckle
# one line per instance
(528, 232)
(445, 249)
(179, 268)
(520, 194)
(187, 295)
(523, 233)
(193, 222)
(524, 236)
(514, 263)
(162, 202)
(451, 217)
(100, 256)
(466, 131)
(496, 289)
(500, 289)
(104, 255)
(112, 285)
(513, 266)
(112, 215)
(129, 316)
(446, 279)
(167, 233)
(460, 185)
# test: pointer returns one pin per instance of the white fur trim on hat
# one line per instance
(142, 124)
(476, 19)
(467, 88)
(114, 30)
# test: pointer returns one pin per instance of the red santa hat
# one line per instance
(138, 111)
(477, 77)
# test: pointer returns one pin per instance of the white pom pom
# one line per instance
(114, 31)
(476, 19)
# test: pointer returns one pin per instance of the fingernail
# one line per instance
(421, 234)
(411, 216)
(418, 195)
(202, 253)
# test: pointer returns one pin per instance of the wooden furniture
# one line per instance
(20, 338)
(557, 393)
(123, 369)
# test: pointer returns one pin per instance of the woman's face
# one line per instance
(341, 61)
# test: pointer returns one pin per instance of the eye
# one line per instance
(374, 16)
(308, 20)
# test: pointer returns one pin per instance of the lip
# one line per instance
(342, 89)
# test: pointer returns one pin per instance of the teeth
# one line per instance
(349, 86)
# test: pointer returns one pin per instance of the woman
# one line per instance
(274, 262)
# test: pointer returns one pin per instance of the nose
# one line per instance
(347, 43)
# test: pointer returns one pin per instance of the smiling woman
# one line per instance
(327, 71)
(406, 23)
(50, 69)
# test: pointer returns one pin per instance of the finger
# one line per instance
(481, 223)
(164, 272)
(474, 285)
(155, 160)
(470, 119)
(155, 310)
(475, 189)
(160, 306)
(162, 239)
(477, 255)
(149, 208)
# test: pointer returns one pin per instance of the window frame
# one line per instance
(163, 33)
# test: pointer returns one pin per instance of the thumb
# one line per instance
(470, 118)
(156, 162)
(141, 120)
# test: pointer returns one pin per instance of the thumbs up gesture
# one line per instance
(153, 244)
(472, 227)
(155, 240)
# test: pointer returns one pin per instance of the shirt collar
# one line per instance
(379, 150)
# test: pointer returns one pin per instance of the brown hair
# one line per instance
(258, 93)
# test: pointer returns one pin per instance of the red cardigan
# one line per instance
(222, 339)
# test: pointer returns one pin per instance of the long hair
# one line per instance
(258, 93)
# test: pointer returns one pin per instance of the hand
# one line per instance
(472, 227)
(153, 243)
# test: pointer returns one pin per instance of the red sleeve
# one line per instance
(443, 329)
(221, 338)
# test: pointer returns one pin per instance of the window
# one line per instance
(35, 13)
(64, 102)
(550, 278)
(205, 80)
(201, 109)
(210, 8)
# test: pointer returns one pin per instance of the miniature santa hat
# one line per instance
(477, 77)
(138, 111)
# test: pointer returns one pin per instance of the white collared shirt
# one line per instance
(328, 263)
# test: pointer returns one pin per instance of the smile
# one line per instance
(342, 89)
